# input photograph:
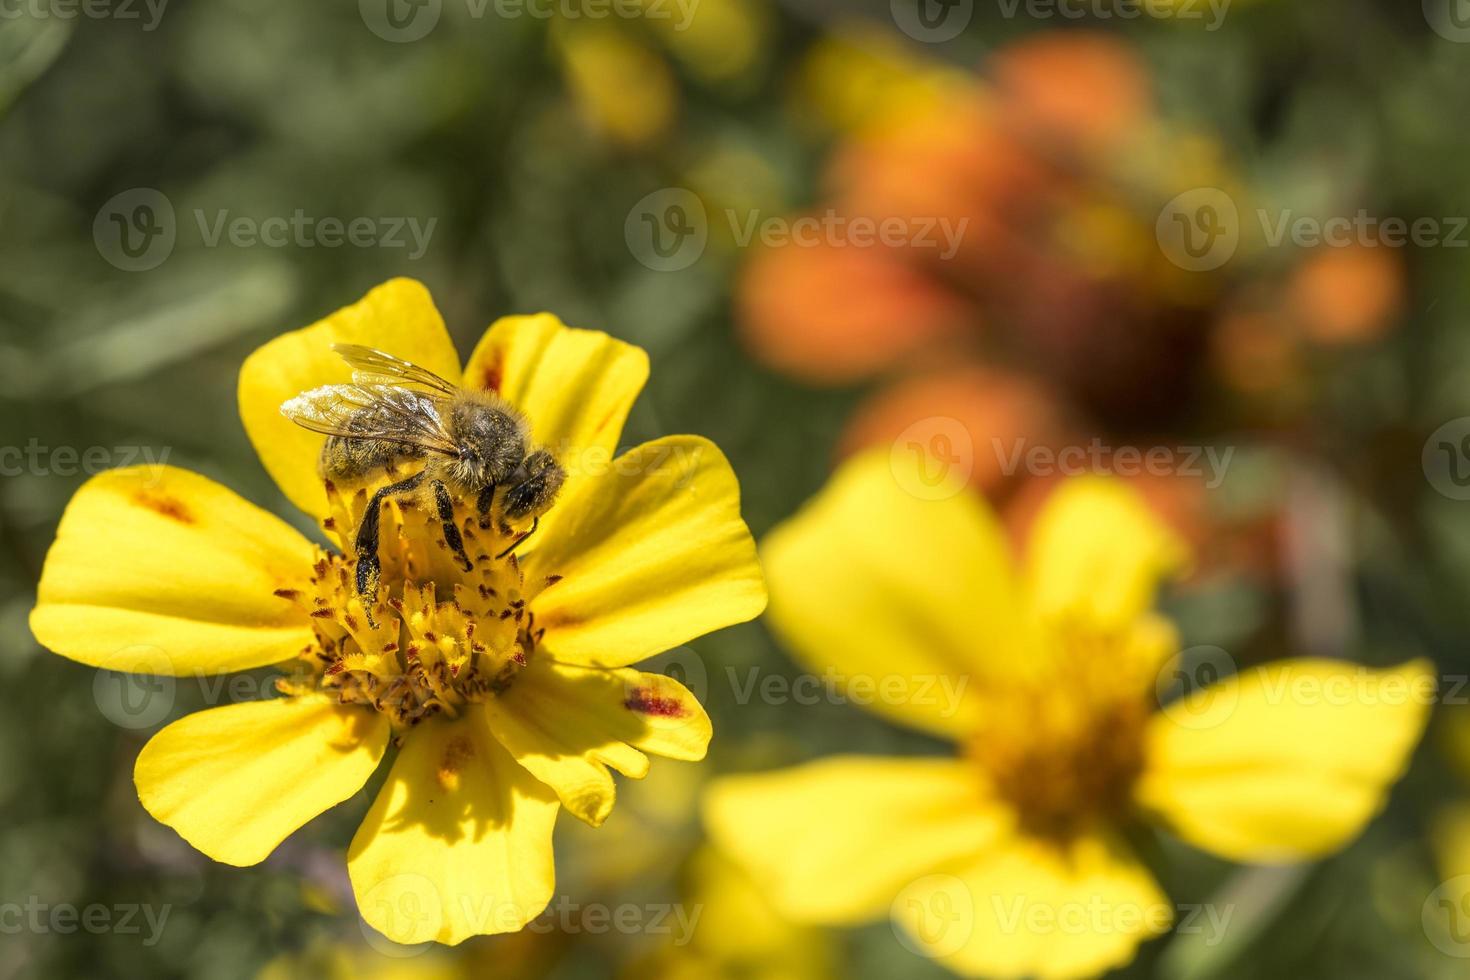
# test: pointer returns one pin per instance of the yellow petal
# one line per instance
(835, 841)
(652, 553)
(567, 724)
(575, 386)
(1284, 762)
(397, 317)
(739, 926)
(236, 781)
(162, 571)
(458, 842)
(1097, 553)
(1034, 908)
(886, 587)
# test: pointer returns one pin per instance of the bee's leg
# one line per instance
(483, 502)
(535, 522)
(451, 531)
(369, 568)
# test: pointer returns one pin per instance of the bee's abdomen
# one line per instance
(346, 459)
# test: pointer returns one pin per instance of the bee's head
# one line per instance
(534, 486)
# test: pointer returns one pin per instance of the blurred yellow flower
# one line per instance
(507, 687)
(620, 85)
(861, 78)
(718, 41)
(740, 935)
(1010, 859)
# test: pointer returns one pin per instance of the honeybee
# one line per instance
(470, 443)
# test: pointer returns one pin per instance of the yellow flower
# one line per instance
(507, 688)
(1010, 860)
(738, 934)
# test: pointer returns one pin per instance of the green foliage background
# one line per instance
(269, 106)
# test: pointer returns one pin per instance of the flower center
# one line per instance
(1064, 750)
(445, 637)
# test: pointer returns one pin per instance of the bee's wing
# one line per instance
(373, 367)
(386, 412)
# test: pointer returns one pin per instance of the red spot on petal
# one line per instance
(492, 377)
(646, 700)
(161, 503)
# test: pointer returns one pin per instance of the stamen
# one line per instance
(1065, 749)
(427, 655)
